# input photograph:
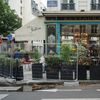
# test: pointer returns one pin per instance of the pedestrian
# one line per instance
(17, 54)
(42, 61)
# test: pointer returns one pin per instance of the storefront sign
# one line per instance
(35, 28)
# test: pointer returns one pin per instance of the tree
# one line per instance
(9, 21)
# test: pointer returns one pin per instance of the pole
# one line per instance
(77, 62)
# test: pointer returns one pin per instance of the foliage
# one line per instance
(65, 52)
(83, 55)
(9, 21)
(52, 61)
(35, 54)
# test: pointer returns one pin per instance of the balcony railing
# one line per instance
(95, 6)
(68, 6)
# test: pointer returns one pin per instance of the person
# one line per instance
(17, 54)
(26, 56)
(42, 60)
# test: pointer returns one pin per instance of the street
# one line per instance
(54, 94)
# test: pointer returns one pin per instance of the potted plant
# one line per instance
(67, 65)
(52, 69)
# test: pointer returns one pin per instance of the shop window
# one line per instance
(51, 38)
(82, 29)
(93, 28)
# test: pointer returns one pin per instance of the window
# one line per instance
(82, 29)
(21, 10)
(93, 28)
(68, 5)
(65, 1)
(52, 3)
(93, 1)
(95, 4)
(34, 6)
(7, 1)
(71, 1)
(20, 1)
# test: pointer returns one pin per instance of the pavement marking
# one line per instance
(72, 90)
(57, 90)
(3, 96)
(48, 90)
(9, 88)
(98, 90)
(75, 99)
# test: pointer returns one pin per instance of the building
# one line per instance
(33, 33)
(71, 20)
(26, 9)
(75, 20)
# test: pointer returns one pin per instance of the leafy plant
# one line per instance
(65, 52)
(35, 54)
(52, 61)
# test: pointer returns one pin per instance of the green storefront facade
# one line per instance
(66, 25)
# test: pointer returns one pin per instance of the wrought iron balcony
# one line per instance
(95, 6)
(68, 6)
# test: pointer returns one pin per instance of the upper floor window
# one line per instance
(7, 1)
(52, 3)
(34, 6)
(71, 1)
(93, 1)
(21, 10)
(20, 1)
(68, 5)
(65, 1)
(95, 4)
(98, 1)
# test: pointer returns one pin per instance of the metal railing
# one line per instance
(68, 6)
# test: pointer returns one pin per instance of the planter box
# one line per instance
(67, 72)
(95, 72)
(82, 72)
(52, 73)
(1, 69)
(67, 75)
(37, 71)
(18, 72)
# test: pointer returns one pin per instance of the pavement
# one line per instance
(65, 84)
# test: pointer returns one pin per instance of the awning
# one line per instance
(34, 30)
